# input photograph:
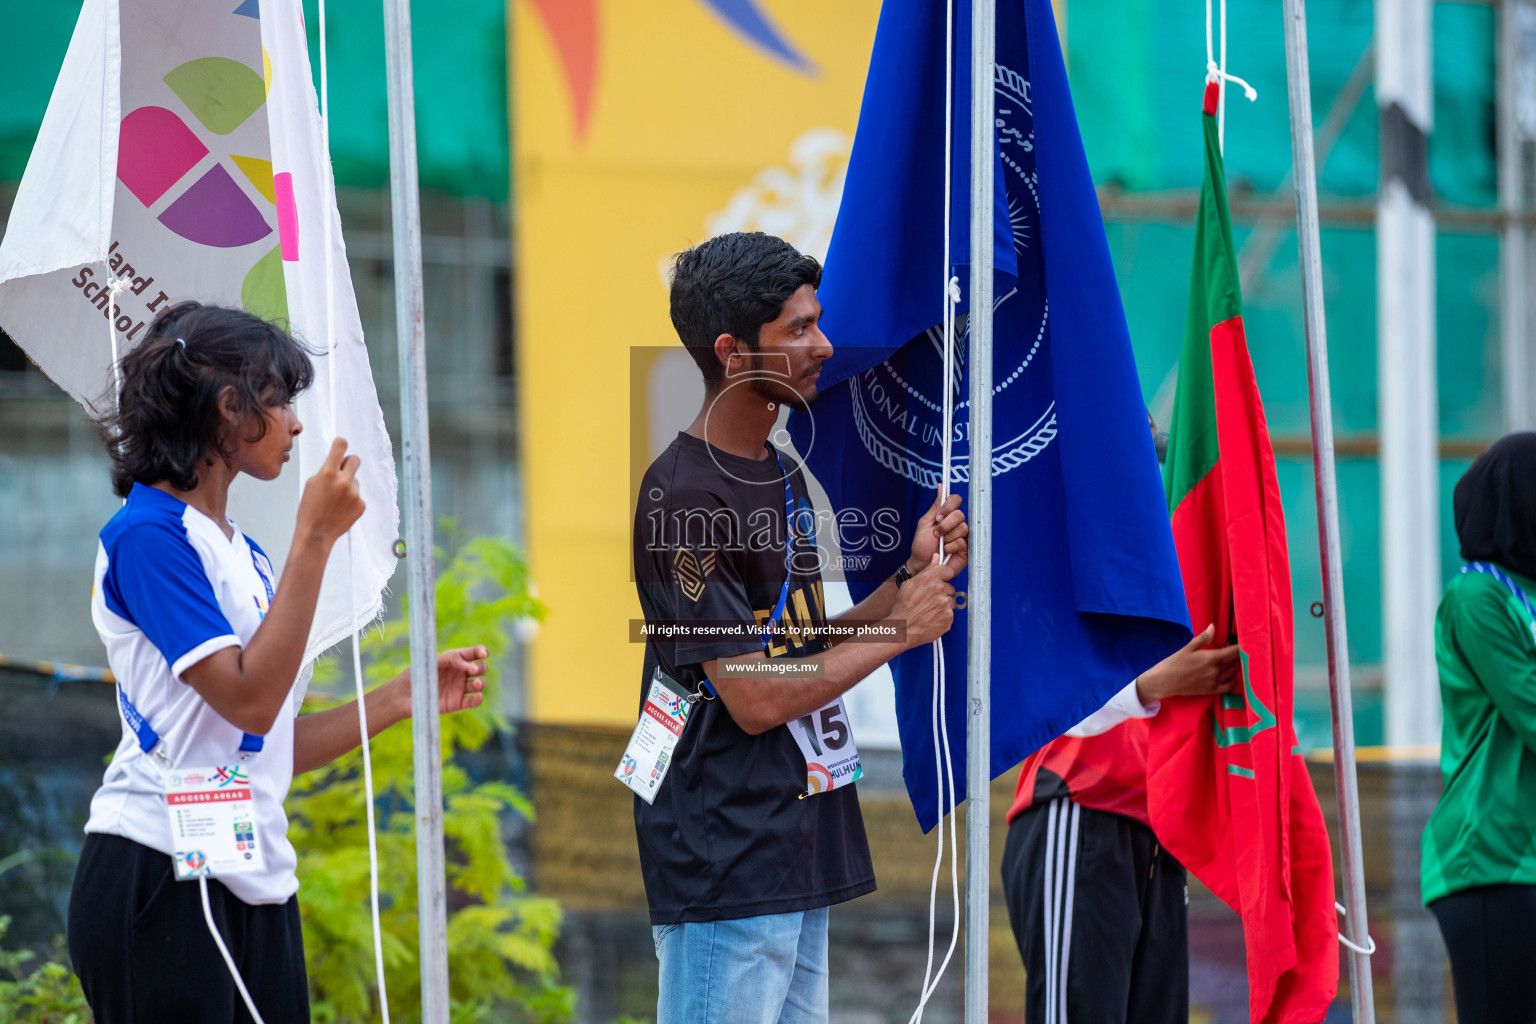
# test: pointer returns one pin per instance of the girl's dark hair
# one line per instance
(168, 418)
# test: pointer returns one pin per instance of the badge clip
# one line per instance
(649, 754)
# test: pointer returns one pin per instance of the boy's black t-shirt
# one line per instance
(729, 835)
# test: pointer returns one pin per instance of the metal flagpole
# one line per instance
(1514, 18)
(1362, 1002)
(978, 733)
(431, 877)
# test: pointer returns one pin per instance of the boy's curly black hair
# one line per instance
(168, 420)
(733, 284)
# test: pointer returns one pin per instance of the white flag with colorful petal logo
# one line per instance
(181, 154)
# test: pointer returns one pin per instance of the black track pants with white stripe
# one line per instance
(1100, 913)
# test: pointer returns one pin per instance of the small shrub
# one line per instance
(50, 994)
(500, 938)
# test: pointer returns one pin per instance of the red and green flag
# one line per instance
(1227, 790)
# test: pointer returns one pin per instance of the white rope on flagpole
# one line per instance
(328, 185)
(940, 720)
(1215, 72)
(1347, 943)
(373, 843)
(1221, 93)
(115, 287)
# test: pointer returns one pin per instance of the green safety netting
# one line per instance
(1137, 69)
(461, 88)
(1136, 74)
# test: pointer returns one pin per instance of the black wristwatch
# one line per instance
(902, 575)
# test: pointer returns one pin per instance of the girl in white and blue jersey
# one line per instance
(207, 646)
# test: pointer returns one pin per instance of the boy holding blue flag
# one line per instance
(748, 823)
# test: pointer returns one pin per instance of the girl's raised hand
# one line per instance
(331, 501)
(460, 685)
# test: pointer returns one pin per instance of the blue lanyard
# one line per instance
(1498, 574)
(789, 554)
(141, 728)
(265, 582)
(148, 738)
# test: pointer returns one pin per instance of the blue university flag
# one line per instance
(1086, 591)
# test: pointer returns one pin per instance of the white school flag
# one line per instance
(181, 151)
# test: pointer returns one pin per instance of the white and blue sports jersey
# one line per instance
(171, 590)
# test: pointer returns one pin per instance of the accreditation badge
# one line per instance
(649, 754)
(213, 821)
(826, 740)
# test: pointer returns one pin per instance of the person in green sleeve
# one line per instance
(1479, 864)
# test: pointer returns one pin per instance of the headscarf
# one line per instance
(1495, 505)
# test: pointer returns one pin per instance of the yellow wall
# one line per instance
(686, 113)
(691, 128)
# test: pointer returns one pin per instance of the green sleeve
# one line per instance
(1501, 652)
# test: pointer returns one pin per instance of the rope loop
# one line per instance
(1345, 941)
(1215, 74)
(1363, 951)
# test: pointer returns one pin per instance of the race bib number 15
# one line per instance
(826, 740)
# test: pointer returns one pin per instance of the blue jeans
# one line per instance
(755, 970)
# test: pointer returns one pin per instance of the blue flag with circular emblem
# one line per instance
(1086, 591)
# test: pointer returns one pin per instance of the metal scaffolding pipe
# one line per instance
(1516, 20)
(978, 733)
(1299, 84)
(1407, 389)
(405, 197)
